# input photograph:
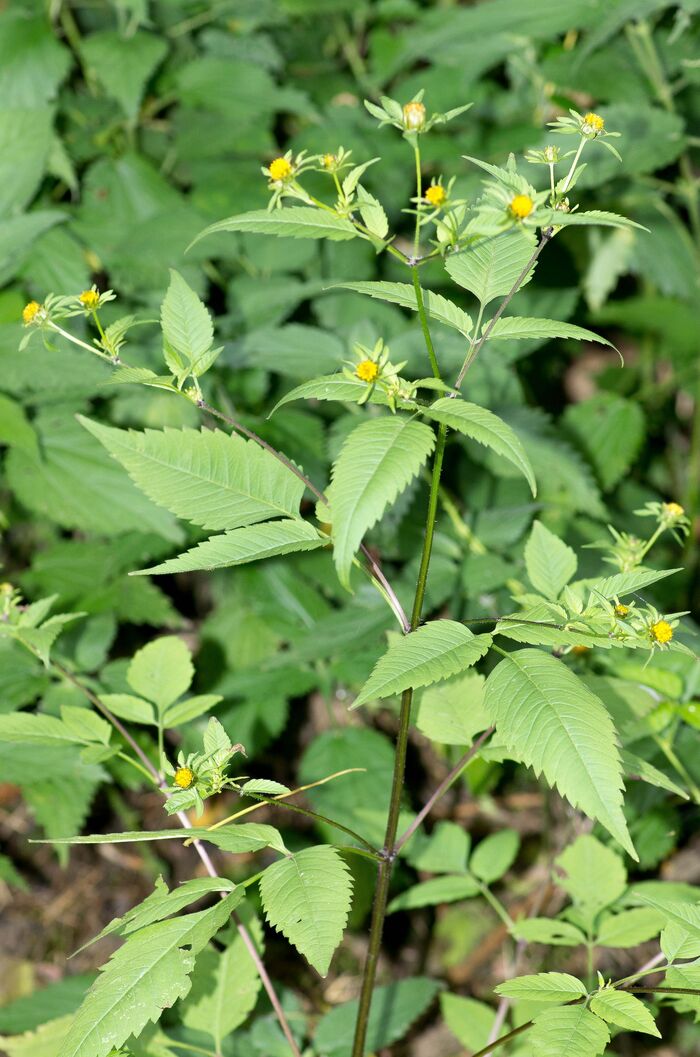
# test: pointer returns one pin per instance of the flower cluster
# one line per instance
(412, 118)
(199, 775)
(588, 126)
(374, 368)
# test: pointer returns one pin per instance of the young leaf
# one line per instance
(248, 544)
(187, 327)
(432, 652)
(552, 989)
(555, 725)
(377, 461)
(486, 428)
(624, 1010)
(296, 222)
(437, 307)
(306, 897)
(568, 1032)
(213, 479)
(549, 562)
(394, 1009)
(490, 268)
(161, 671)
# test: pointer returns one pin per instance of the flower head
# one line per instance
(328, 161)
(674, 510)
(90, 298)
(592, 125)
(661, 631)
(183, 777)
(436, 195)
(367, 371)
(30, 312)
(521, 206)
(414, 116)
(621, 610)
(280, 169)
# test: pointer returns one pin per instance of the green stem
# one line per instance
(419, 196)
(572, 170)
(127, 759)
(423, 316)
(495, 904)
(678, 765)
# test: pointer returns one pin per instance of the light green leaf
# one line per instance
(452, 712)
(490, 268)
(123, 65)
(621, 584)
(376, 463)
(543, 988)
(263, 787)
(529, 693)
(184, 711)
(437, 307)
(610, 430)
(469, 1021)
(549, 562)
(593, 875)
(629, 928)
(161, 671)
(494, 855)
(249, 544)
(213, 479)
(635, 765)
(394, 1009)
(86, 724)
(597, 217)
(372, 212)
(188, 331)
(36, 729)
(434, 651)
(297, 222)
(549, 931)
(438, 890)
(687, 915)
(243, 838)
(307, 897)
(126, 706)
(486, 428)
(568, 1032)
(332, 387)
(517, 328)
(445, 850)
(624, 1010)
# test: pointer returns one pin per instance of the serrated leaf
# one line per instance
(332, 387)
(592, 874)
(307, 898)
(549, 931)
(629, 928)
(184, 711)
(565, 1032)
(490, 268)
(264, 787)
(249, 544)
(518, 328)
(543, 988)
(432, 652)
(161, 671)
(394, 1009)
(437, 307)
(213, 479)
(550, 563)
(296, 222)
(452, 712)
(242, 838)
(32, 728)
(486, 428)
(438, 890)
(624, 1010)
(621, 584)
(376, 463)
(187, 327)
(610, 431)
(595, 217)
(560, 729)
(687, 915)
(636, 766)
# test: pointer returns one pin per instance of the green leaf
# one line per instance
(332, 387)
(437, 307)
(376, 463)
(187, 327)
(307, 897)
(639, 768)
(549, 562)
(372, 212)
(620, 584)
(150, 972)
(494, 855)
(490, 268)
(263, 787)
(35, 729)
(610, 431)
(486, 428)
(249, 544)
(687, 915)
(555, 725)
(123, 65)
(432, 652)
(517, 328)
(629, 928)
(624, 1011)
(438, 890)
(469, 1021)
(297, 222)
(543, 988)
(184, 711)
(213, 479)
(126, 706)
(161, 671)
(394, 1009)
(445, 850)
(593, 875)
(549, 931)
(565, 1032)
(243, 838)
(452, 712)
(595, 217)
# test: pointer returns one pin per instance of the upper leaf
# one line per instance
(434, 651)
(554, 724)
(568, 1032)
(624, 1010)
(377, 461)
(161, 671)
(544, 988)
(187, 326)
(490, 268)
(297, 222)
(213, 479)
(437, 307)
(549, 562)
(517, 328)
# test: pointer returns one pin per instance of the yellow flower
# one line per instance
(521, 206)
(280, 169)
(184, 777)
(621, 610)
(6, 589)
(674, 509)
(436, 195)
(661, 631)
(328, 161)
(581, 650)
(90, 299)
(29, 312)
(593, 123)
(414, 116)
(367, 371)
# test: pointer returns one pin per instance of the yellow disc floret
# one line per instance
(621, 610)
(29, 312)
(328, 161)
(521, 206)
(367, 371)
(89, 298)
(593, 124)
(436, 195)
(280, 169)
(184, 777)
(413, 116)
(661, 631)
(674, 509)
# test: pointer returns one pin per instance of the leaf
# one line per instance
(263, 787)
(394, 1009)
(243, 838)
(437, 307)
(549, 931)
(687, 915)
(445, 850)
(249, 544)
(593, 875)
(592, 217)
(490, 268)
(332, 387)
(494, 855)
(543, 988)
(297, 222)
(149, 973)
(610, 431)
(629, 928)
(213, 479)
(123, 65)
(126, 706)
(438, 890)
(184, 711)
(452, 712)
(306, 897)
(161, 671)
(469, 1021)
(432, 652)
(37, 729)
(621, 584)
(555, 725)
(372, 212)
(639, 768)
(549, 562)
(564, 1032)
(624, 1010)
(376, 463)
(517, 328)
(486, 428)
(187, 327)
